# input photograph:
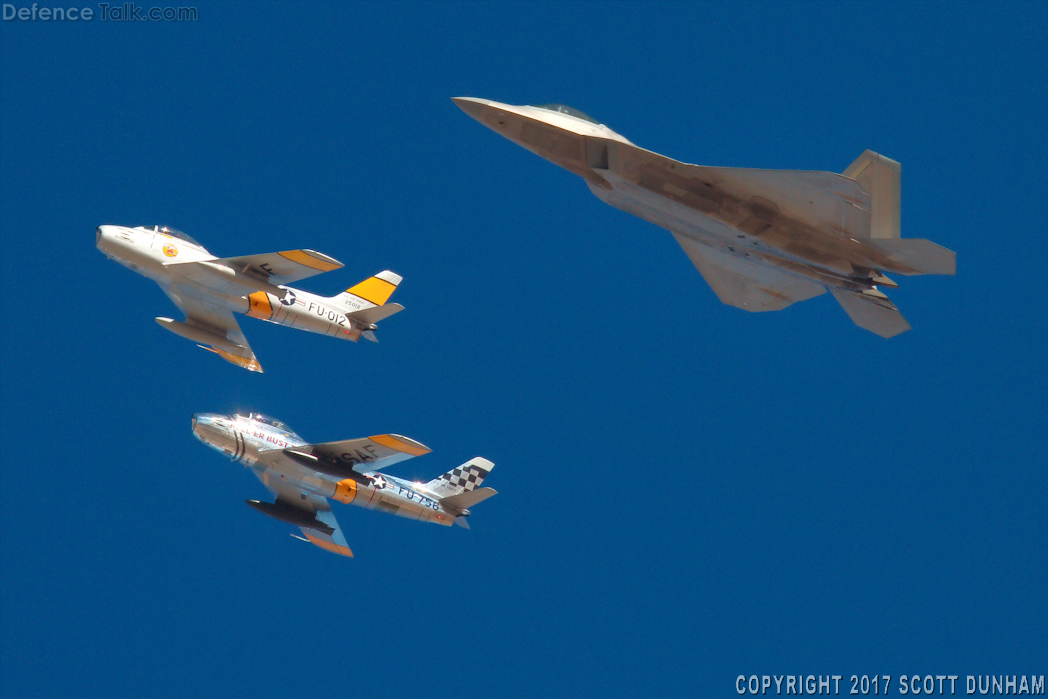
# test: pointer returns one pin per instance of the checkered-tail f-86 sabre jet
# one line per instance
(209, 290)
(762, 239)
(303, 476)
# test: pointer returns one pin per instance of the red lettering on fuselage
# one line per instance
(269, 438)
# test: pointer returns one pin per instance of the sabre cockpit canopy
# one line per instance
(271, 421)
(173, 232)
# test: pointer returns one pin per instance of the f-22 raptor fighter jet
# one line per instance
(303, 476)
(210, 289)
(762, 239)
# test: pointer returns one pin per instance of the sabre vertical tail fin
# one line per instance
(365, 304)
(462, 479)
(373, 291)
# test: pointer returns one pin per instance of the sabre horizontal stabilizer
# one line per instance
(909, 256)
(871, 311)
(370, 316)
(464, 501)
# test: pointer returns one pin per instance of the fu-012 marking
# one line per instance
(325, 312)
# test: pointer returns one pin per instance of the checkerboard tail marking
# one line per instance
(462, 479)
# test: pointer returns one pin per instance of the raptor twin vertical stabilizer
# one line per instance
(882, 178)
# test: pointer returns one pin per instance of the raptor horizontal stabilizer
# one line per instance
(871, 310)
(910, 256)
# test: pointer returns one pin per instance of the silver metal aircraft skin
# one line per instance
(304, 476)
(762, 239)
(209, 290)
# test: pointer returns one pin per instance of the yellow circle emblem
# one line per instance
(170, 250)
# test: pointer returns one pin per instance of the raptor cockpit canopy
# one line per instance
(570, 111)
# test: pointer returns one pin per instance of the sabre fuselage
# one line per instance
(245, 440)
(156, 255)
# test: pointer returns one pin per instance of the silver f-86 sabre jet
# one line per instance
(303, 476)
(762, 239)
(210, 289)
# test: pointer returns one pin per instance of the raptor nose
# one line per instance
(476, 108)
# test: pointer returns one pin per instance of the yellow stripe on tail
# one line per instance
(376, 289)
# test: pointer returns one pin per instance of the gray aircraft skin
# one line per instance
(762, 239)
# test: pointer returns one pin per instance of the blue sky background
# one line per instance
(687, 492)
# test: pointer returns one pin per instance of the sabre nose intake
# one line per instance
(204, 427)
(102, 236)
(117, 243)
(217, 432)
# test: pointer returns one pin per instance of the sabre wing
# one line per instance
(220, 321)
(232, 275)
(345, 458)
(285, 267)
(328, 535)
(335, 542)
